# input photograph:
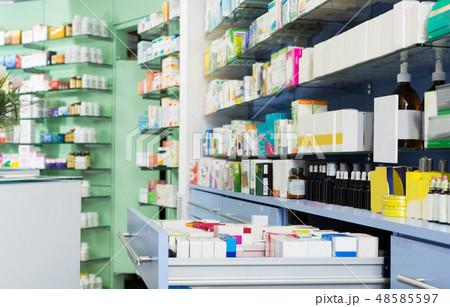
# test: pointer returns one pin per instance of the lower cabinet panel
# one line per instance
(416, 259)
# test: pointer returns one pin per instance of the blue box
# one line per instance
(10, 61)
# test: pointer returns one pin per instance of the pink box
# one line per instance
(292, 68)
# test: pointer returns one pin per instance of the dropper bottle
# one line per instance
(407, 100)
(438, 77)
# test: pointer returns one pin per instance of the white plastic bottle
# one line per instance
(443, 195)
(95, 27)
(85, 188)
(76, 25)
(435, 216)
(99, 56)
(427, 208)
(103, 28)
(86, 27)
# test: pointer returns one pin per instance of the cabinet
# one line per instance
(425, 262)
(150, 241)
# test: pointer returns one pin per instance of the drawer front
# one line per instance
(205, 205)
(415, 259)
(244, 210)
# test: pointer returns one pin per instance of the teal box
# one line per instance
(439, 19)
(262, 130)
(272, 118)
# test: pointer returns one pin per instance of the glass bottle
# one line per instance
(71, 160)
(88, 159)
(296, 183)
(407, 100)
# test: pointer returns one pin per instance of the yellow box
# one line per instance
(386, 181)
(57, 32)
(16, 37)
(206, 62)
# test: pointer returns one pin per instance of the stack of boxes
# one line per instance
(212, 239)
(169, 76)
(170, 10)
(159, 193)
(159, 47)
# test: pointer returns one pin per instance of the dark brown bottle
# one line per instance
(407, 100)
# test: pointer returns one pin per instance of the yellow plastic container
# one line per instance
(394, 206)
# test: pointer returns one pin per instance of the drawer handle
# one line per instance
(229, 216)
(202, 207)
(136, 259)
(417, 282)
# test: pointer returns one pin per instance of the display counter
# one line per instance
(40, 226)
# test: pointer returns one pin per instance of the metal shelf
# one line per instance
(155, 64)
(46, 68)
(70, 116)
(158, 130)
(156, 205)
(169, 92)
(158, 168)
(240, 17)
(95, 261)
(69, 91)
(98, 228)
(86, 171)
(413, 227)
(94, 198)
(167, 28)
(42, 45)
(235, 69)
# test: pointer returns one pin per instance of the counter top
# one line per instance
(5, 179)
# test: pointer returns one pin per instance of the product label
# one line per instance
(265, 186)
(296, 187)
(409, 124)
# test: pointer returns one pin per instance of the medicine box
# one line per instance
(319, 248)
(182, 247)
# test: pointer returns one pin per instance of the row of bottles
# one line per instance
(436, 207)
(327, 184)
(409, 101)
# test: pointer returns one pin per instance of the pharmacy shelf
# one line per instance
(240, 18)
(167, 28)
(95, 261)
(424, 230)
(97, 228)
(86, 171)
(156, 205)
(99, 118)
(69, 91)
(48, 68)
(87, 145)
(169, 92)
(156, 63)
(95, 198)
(158, 168)
(42, 45)
(235, 69)
(421, 63)
(159, 130)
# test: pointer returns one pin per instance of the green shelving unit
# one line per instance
(100, 175)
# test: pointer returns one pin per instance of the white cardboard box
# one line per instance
(182, 247)
(195, 248)
(319, 248)
(346, 130)
(207, 247)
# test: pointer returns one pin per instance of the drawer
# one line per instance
(243, 210)
(205, 205)
(416, 259)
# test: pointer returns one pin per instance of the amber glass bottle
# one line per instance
(296, 183)
(407, 100)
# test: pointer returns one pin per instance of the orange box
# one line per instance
(16, 37)
(57, 32)
(149, 80)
